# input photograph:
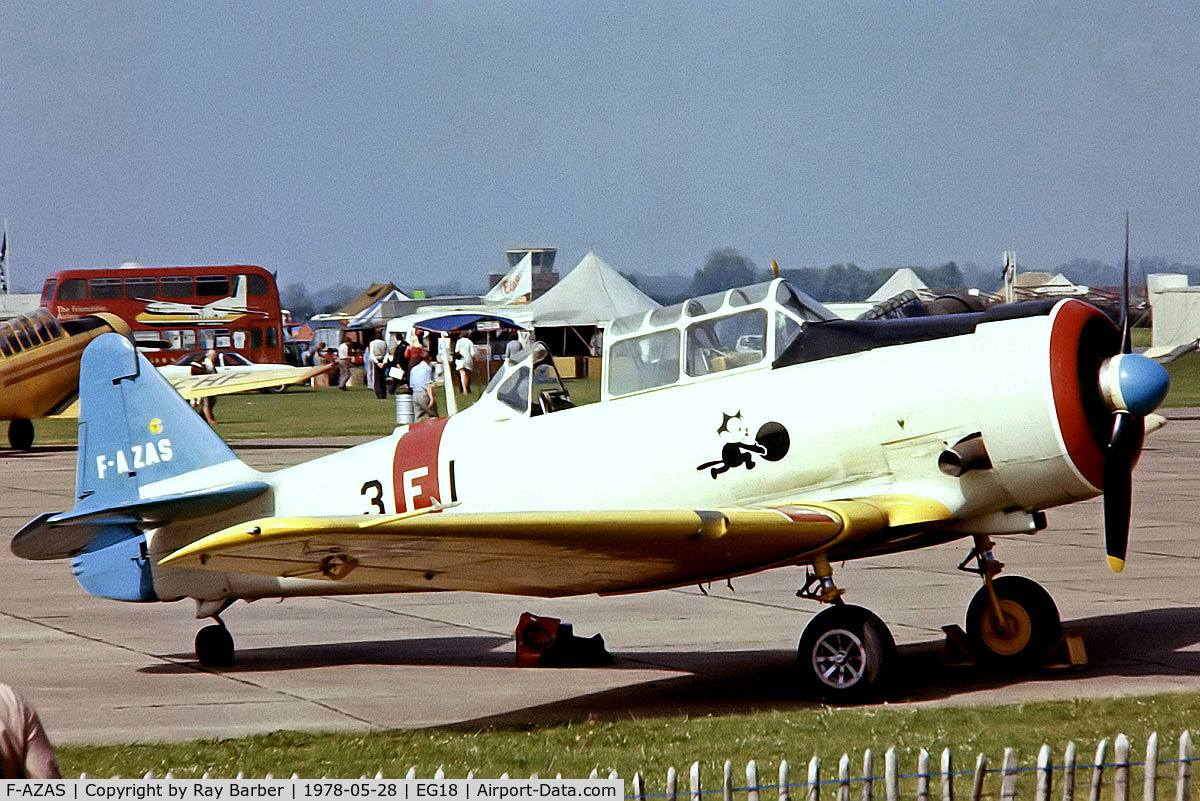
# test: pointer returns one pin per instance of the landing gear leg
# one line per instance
(846, 653)
(1012, 621)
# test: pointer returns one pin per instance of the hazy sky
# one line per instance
(412, 142)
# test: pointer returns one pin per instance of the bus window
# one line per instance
(187, 339)
(73, 289)
(272, 337)
(256, 338)
(142, 287)
(104, 288)
(176, 286)
(256, 285)
(216, 286)
(174, 339)
(239, 338)
(48, 290)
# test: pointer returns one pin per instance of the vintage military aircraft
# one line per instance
(39, 370)
(737, 432)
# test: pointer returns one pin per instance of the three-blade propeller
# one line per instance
(1133, 386)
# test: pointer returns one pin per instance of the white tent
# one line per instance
(373, 314)
(904, 278)
(593, 294)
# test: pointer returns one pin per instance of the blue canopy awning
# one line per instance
(451, 322)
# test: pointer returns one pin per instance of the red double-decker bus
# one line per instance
(229, 307)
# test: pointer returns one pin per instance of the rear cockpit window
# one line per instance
(725, 343)
(644, 362)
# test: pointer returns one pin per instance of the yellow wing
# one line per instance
(548, 553)
(230, 379)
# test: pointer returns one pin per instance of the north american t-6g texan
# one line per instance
(736, 432)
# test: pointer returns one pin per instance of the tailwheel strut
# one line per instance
(214, 644)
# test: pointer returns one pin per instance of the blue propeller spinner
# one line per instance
(1133, 383)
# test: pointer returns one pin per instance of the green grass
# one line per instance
(656, 744)
(307, 412)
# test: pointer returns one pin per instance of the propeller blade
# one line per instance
(1126, 339)
(1123, 449)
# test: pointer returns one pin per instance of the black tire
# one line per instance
(214, 646)
(279, 389)
(20, 434)
(1033, 627)
(846, 655)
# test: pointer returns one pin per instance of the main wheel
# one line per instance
(214, 646)
(846, 654)
(1029, 629)
(20, 434)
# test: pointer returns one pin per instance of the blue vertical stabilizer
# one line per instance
(134, 428)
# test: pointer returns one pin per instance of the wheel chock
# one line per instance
(548, 642)
(1069, 653)
(955, 651)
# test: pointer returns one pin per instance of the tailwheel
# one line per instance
(1021, 632)
(846, 654)
(214, 646)
(20, 434)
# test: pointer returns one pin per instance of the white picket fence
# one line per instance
(1106, 780)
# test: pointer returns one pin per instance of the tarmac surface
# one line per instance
(103, 671)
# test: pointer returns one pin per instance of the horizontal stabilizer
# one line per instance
(88, 527)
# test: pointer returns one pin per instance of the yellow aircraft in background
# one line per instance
(39, 366)
(39, 370)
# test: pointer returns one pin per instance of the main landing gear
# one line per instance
(848, 656)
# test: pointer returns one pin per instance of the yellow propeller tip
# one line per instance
(1116, 564)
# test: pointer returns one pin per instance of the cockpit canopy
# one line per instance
(739, 329)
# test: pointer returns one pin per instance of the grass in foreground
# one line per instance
(654, 745)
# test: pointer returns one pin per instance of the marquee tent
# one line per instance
(593, 294)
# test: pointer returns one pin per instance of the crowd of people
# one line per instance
(391, 363)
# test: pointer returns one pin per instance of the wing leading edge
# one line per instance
(548, 553)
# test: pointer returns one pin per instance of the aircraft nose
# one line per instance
(1131, 382)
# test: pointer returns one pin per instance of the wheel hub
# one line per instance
(839, 658)
(1007, 636)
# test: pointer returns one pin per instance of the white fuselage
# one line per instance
(867, 423)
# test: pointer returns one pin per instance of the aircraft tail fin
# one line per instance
(145, 457)
(135, 430)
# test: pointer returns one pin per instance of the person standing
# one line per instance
(464, 357)
(420, 379)
(207, 403)
(343, 362)
(377, 358)
(25, 750)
